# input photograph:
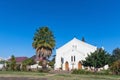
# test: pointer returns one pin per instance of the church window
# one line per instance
(74, 58)
(75, 46)
(62, 60)
(71, 58)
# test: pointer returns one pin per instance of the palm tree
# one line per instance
(43, 42)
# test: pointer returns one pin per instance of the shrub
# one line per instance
(24, 67)
(18, 67)
(44, 70)
(51, 63)
(81, 71)
(103, 72)
(7, 67)
(13, 63)
(115, 67)
(40, 63)
(106, 72)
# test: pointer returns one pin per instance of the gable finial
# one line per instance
(83, 39)
(74, 36)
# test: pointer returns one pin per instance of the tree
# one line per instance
(43, 42)
(13, 63)
(52, 62)
(29, 61)
(97, 59)
(26, 62)
(7, 67)
(115, 55)
(115, 67)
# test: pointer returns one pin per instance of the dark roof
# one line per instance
(19, 59)
(33, 57)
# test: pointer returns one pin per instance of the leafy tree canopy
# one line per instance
(115, 67)
(97, 59)
(43, 38)
(43, 42)
(116, 54)
(28, 61)
(13, 62)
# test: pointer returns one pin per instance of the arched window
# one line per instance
(74, 58)
(71, 58)
(62, 60)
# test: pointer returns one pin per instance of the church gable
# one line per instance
(73, 50)
(75, 44)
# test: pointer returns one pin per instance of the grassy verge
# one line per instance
(21, 73)
(58, 76)
(89, 77)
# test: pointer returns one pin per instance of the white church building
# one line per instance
(70, 55)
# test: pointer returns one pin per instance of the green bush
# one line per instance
(24, 67)
(115, 67)
(81, 71)
(7, 66)
(103, 72)
(51, 63)
(18, 67)
(44, 70)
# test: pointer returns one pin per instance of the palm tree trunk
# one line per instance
(44, 64)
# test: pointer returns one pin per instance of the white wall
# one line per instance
(1, 66)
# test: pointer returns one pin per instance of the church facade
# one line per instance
(70, 55)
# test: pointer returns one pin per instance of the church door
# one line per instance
(79, 65)
(66, 66)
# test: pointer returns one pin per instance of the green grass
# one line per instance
(58, 76)
(21, 73)
(89, 77)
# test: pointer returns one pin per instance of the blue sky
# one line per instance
(97, 20)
